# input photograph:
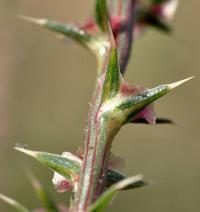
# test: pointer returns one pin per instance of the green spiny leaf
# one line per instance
(68, 30)
(131, 105)
(112, 80)
(18, 206)
(92, 43)
(101, 14)
(65, 166)
(114, 177)
(42, 195)
(97, 45)
(107, 196)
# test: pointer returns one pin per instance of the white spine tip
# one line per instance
(26, 151)
(176, 84)
(34, 20)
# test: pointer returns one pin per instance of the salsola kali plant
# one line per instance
(92, 175)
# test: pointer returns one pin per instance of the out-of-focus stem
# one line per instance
(125, 39)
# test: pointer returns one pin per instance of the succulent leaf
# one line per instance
(65, 166)
(64, 173)
(68, 30)
(131, 105)
(95, 44)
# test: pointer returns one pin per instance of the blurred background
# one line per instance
(45, 88)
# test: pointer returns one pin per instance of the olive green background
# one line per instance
(45, 89)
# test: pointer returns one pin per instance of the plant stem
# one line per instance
(99, 136)
(101, 129)
(126, 42)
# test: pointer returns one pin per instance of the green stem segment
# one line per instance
(101, 129)
(94, 171)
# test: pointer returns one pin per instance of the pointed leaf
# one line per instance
(112, 80)
(107, 196)
(42, 195)
(68, 167)
(114, 177)
(101, 14)
(65, 166)
(68, 30)
(18, 206)
(131, 105)
(94, 44)
(97, 45)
